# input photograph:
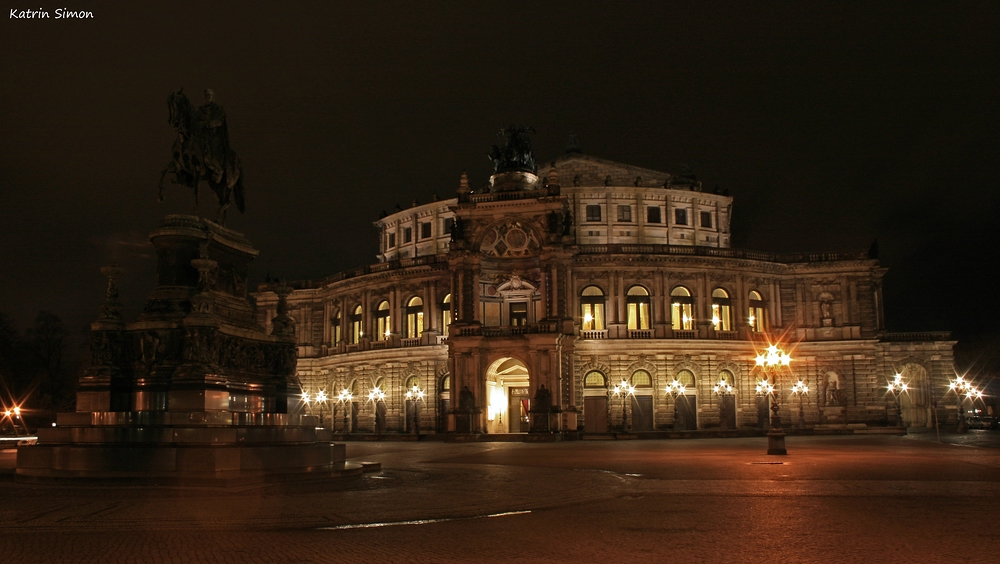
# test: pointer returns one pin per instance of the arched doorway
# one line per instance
(642, 401)
(507, 396)
(686, 404)
(595, 402)
(727, 401)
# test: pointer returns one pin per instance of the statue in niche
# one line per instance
(516, 153)
(826, 309)
(543, 399)
(201, 152)
(466, 400)
(567, 223)
(831, 395)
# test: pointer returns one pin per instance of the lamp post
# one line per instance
(13, 414)
(723, 390)
(415, 395)
(345, 398)
(675, 389)
(800, 389)
(305, 398)
(896, 387)
(770, 362)
(374, 396)
(962, 386)
(624, 389)
(321, 400)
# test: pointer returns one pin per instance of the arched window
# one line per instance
(595, 379)
(382, 327)
(446, 383)
(727, 377)
(642, 379)
(592, 309)
(681, 309)
(412, 382)
(756, 318)
(414, 317)
(445, 314)
(380, 385)
(637, 301)
(721, 318)
(335, 329)
(686, 377)
(356, 331)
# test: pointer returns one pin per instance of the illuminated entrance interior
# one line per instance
(507, 391)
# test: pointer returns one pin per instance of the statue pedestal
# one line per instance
(194, 390)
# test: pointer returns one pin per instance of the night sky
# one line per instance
(831, 124)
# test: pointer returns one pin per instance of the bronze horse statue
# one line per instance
(201, 152)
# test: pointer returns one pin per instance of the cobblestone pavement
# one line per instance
(832, 499)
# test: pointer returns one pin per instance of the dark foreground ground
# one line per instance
(832, 499)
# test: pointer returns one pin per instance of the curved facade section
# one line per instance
(530, 305)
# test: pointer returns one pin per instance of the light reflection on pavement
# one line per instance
(831, 499)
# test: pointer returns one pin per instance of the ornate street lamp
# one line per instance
(321, 400)
(415, 395)
(962, 386)
(624, 389)
(374, 396)
(675, 389)
(800, 389)
(771, 363)
(897, 387)
(344, 398)
(723, 390)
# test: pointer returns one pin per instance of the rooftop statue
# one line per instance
(201, 152)
(516, 154)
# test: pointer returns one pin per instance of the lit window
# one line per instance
(356, 332)
(756, 318)
(445, 314)
(518, 313)
(335, 330)
(592, 309)
(637, 302)
(641, 379)
(593, 213)
(382, 329)
(594, 379)
(681, 309)
(686, 378)
(414, 318)
(721, 303)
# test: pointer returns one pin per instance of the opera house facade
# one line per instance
(586, 297)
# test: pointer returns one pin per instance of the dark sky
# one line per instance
(830, 123)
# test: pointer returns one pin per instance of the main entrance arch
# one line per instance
(507, 396)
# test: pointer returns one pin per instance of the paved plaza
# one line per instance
(832, 499)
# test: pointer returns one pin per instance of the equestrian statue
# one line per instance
(201, 152)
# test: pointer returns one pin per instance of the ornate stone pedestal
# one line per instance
(194, 390)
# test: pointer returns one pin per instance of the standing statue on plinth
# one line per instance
(201, 152)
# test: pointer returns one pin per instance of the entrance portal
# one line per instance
(507, 391)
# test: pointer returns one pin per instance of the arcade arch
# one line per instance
(507, 393)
